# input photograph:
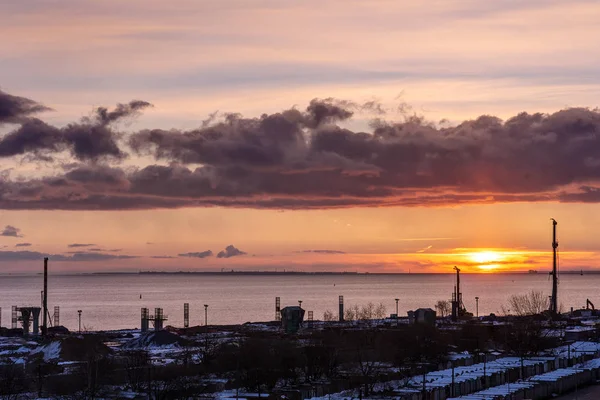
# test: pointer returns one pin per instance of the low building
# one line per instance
(422, 316)
(292, 318)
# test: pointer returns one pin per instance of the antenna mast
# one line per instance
(554, 273)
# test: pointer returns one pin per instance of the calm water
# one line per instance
(113, 301)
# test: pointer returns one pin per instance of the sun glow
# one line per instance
(486, 257)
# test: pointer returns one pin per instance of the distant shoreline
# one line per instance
(297, 273)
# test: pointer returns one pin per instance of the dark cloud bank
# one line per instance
(303, 159)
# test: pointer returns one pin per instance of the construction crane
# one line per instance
(458, 309)
(554, 298)
(589, 304)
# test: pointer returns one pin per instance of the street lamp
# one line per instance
(396, 307)
(477, 306)
(79, 313)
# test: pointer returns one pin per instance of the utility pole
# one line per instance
(554, 299)
(477, 306)
(205, 360)
(79, 314)
(397, 307)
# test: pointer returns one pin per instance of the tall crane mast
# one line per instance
(554, 273)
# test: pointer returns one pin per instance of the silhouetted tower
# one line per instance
(45, 300)
(159, 319)
(56, 315)
(13, 320)
(341, 310)
(145, 320)
(186, 315)
(457, 304)
(554, 273)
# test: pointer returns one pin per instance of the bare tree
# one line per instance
(328, 316)
(532, 303)
(443, 307)
(366, 312)
(380, 311)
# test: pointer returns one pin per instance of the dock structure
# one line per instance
(158, 318)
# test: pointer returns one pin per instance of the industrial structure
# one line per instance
(458, 308)
(309, 319)
(56, 316)
(292, 318)
(29, 318)
(554, 298)
(186, 315)
(158, 319)
(45, 299)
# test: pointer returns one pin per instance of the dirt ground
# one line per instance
(587, 393)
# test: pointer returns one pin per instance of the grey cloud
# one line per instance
(202, 254)
(98, 257)
(15, 108)
(230, 251)
(11, 231)
(75, 245)
(306, 159)
(91, 139)
(22, 244)
(162, 257)
(323, 251)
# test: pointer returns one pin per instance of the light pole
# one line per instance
(477, 306)
(396, 307)
(205, 333)
(79, 313)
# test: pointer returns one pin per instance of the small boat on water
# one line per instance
(532, 271)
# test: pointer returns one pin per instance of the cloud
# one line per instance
(22, 244)
(202, 254)
(91, 139)
(11, 231)
(230, 251)
(423, 250)
(36, 256)
(323, 251)
(14, 108)
(307, 159)
(75, 245)
(162, 257)
(83, 256)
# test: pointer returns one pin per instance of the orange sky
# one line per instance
(448, 60)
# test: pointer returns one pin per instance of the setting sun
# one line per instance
(485, 257)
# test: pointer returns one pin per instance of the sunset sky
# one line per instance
(374, 136)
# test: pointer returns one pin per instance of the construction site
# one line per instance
(358, 353)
